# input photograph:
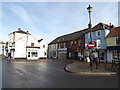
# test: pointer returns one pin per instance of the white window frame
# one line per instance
(97, 33)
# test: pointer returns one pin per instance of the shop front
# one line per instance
(33, 53)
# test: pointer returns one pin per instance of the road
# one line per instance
(49, 74)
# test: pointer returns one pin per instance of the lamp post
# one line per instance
(89, 8)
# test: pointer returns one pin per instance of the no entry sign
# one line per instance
(91, 45)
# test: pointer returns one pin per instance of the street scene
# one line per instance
(60, 45)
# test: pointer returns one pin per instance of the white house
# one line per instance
(2, 48)
(43, 48)
(22, 45)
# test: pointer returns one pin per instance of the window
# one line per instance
(71, 44)
(43, 46)
(64, 45)
(116, 55)
(45, 54)
(118, 40)
(98, 33)
(98, 41)
(79, 43)
(34, 54)
(28, 54)
(89, 34)
(32, 44)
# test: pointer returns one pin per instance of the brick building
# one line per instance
(68, 46)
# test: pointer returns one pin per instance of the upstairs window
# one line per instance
(98, 33)
(43, 46)
(89, 34)
(32, 44)
(79, 43)
(118, 40)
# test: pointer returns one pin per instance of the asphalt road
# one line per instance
(49, 74)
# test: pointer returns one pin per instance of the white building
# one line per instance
(22, 45)
(2, 48)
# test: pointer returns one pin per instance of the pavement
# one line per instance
(82, 67)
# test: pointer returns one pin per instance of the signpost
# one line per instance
(91, 45)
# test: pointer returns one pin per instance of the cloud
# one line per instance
(22, 14)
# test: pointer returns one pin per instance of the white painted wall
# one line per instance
(20, 48)
(43, 49)
(21, 41)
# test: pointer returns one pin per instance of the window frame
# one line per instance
(99, 31)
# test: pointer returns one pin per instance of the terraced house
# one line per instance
(98, 34)
(68, 46)
(113, 45)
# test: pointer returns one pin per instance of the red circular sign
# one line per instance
(91, 45)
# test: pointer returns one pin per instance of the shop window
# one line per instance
(34, 54)
(32, 44)
(118, 40)
(116, 55)
(28, 54)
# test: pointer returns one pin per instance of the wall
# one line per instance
(43, 50)
(111, 41)
(102, 39)
(20, 48)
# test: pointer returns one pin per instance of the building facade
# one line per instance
(2, 48)
(69, 46)
(113, 44)
(98, 34)
(21, 44)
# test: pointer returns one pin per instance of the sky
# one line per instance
(52, 19)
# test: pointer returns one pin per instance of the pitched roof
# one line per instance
(67, 37)
(114, 32)
(20, 31)
(99, 26)
(2, 42)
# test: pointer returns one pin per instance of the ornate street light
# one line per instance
(89, 8)
(89, 11)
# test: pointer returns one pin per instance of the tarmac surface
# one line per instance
(50, 73)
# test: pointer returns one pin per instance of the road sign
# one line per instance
(91, 45)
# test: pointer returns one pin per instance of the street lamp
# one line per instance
(89, 11)
(89, 8)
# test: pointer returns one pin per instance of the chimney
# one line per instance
(111, 26)
(19, 29)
